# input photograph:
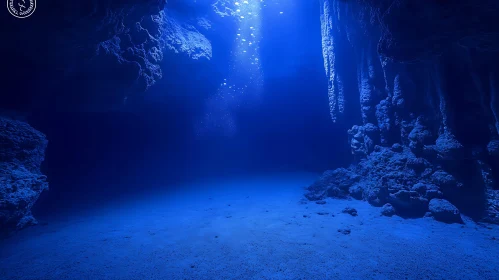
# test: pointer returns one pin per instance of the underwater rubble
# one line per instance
(406, 185)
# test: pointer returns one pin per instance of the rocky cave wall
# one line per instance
(139, 40)
(22, 151)
(421, 79)
(97, 55)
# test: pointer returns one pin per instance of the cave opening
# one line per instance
(280, 123)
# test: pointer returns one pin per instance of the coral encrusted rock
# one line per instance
(398, 178)
(22, 151)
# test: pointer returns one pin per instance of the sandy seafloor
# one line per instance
(247, 228)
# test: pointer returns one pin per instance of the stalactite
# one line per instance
(365, 89)
(494, 98)
(386, 75)
(340, 93)
(328, 53)
(397, 97)
(432, 103)
(440, 89)
(481, 86)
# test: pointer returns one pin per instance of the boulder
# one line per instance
(444, 211)
(409, 203)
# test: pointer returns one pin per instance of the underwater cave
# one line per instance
(255, 139)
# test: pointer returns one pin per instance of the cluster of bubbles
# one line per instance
(245, 80)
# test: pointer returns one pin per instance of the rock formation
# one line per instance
(423, 103)
(98, 54)
(22, 151)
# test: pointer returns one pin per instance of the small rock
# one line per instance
(350, 210)
(345, 231)
(306, 216)
(444, 211)
(388, 210)
(322, 213)
(322, 202)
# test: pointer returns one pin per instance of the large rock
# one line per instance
(22, 150)
(444, 211)
(409, 202)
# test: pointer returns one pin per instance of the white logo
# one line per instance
(21, 8)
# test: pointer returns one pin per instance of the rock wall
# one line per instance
(22, 151)
(424, 93)
(99, 54)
